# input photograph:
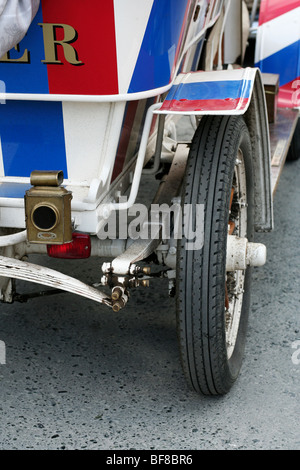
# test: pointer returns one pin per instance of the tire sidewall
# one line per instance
(234, 363)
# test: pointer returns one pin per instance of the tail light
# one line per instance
(78, 248)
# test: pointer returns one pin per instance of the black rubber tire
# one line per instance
(294, 150)
(201, 273)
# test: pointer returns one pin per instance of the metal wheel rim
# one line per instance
(235, 280)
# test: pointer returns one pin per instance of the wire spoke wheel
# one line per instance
(212, 302)
(235, 281)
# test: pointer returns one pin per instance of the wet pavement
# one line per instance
(78, 376)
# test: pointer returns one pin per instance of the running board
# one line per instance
(281, 133)
(17, 269)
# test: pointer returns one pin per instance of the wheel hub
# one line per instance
(241, 253)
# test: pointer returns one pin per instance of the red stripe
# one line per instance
(228, 104)
(95, 46)
(289, 94)
(270, 9)
(132, 127)
(125, 137)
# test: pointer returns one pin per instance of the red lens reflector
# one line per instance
(78, 248)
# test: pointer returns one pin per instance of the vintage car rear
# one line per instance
(92, 98)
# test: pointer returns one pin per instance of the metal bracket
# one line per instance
(169, 188)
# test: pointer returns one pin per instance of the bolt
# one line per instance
(132, 283)
(116, 293)
(118, 304)
(133, 269)
(146, 270)
(145, 283)
(106, 267)
(172, 250)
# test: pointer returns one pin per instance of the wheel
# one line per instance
(294, 150)
(212, 304)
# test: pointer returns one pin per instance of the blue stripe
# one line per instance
(27, 77)
(219, 90)
(13, 190)
(32, 137)
(286, 63)
(195, 64)
(157, 54)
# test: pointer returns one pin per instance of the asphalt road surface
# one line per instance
(78, 376)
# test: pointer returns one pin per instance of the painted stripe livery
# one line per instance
(275, 8)
(78, 49)
(72, 48)
(210, 92)
(32, 137)
(77, 42)
(278, 47)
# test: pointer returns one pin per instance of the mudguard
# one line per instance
(231, 92)
(218, 92)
